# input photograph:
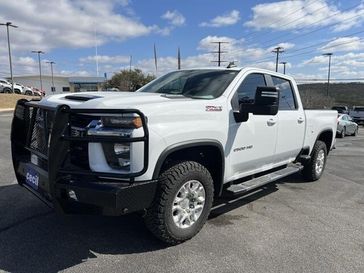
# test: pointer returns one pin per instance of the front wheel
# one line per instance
(356, 131)
(314, 168)
(343, 133)
(182, 203)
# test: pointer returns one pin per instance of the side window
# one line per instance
(286, 100)
(247, 88)
(344, 117)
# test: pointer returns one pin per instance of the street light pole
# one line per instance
(9, 24)
(284, 67)
(52, 63)
(40, 67)
(328, 72)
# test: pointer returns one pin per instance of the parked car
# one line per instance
(346, 126)
(38, 92)
(28, 91)
(5, 86)
(18, 88)
(341, 109)
(169, 148)
(358, 114)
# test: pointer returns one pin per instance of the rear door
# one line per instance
(291, 121)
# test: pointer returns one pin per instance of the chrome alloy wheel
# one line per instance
(320, 162)
(188, 204)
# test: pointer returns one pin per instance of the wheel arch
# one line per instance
(199, 151)
(327, 136)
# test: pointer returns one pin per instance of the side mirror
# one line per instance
(266, 102)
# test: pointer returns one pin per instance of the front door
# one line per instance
(251, 144)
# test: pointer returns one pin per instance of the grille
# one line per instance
(41, 130)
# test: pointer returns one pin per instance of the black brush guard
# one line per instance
(44, 133)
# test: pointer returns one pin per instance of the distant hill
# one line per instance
(343, 93)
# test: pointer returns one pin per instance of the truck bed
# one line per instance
(316, 122)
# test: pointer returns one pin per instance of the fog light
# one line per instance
(124, 162)
(72, 195)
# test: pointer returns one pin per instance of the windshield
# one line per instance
(359, 109)
(201, 84)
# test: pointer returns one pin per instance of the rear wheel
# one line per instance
(314, 168)
(28, 93)
(182, 203)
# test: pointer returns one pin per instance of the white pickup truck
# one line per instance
(171, 147)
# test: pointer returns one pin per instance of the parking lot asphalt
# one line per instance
(288, 226)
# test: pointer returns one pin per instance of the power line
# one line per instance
(310, 51)
(315, 23)
(286, 16)
(219, 52)
(315, 30)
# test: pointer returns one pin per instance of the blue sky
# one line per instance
(66, 29)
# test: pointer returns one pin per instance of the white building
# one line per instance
(62, 83)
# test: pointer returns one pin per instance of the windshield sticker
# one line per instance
(211, 108)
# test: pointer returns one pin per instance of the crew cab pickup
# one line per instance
(169, 148)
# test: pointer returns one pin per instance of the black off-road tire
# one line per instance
(309, 171)
(159, 219)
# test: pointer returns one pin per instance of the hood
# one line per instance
(112, 100)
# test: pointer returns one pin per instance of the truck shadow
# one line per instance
(34, 239)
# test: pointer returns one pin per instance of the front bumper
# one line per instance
(61, 184)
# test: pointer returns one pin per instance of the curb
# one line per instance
(6, 110)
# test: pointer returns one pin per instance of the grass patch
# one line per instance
(9, 100)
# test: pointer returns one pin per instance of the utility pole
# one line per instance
(52, 63)
(9, 24)
(219, 52)
(328, 73)
(284, 67)
(178, 59)
(40, 67)
(277, 50)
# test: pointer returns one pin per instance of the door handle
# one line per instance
(271, 122)
(300, 120)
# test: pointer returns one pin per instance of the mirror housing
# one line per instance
(266, 102)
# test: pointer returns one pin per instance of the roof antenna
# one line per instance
(231, 64)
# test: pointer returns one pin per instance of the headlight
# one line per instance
(124, 121)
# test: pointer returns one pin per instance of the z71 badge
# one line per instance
(211, 108)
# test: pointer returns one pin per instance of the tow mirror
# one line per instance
(266, 102)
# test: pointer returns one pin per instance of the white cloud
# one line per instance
(44, 25)
(343, 44)
(342, 66)
(227, 19)
(236, 50)
(105, 59)
(304, 13)
(174, 17)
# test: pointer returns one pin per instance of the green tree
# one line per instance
(126, 80)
